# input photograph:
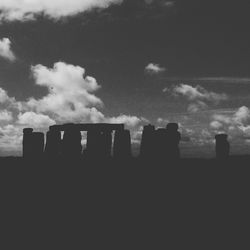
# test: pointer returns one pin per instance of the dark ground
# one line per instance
(201, 204)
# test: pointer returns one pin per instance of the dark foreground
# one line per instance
(201, 204)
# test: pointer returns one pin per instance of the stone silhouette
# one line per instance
(33, 144)
(71, 143)
(99, 140)
(27, 142)
(222, 147)
(173, 139)
(147, 142)
(162, 143)
(38, 144)
(106, 143)
(122, 144)
(53, 143)
(98, 144)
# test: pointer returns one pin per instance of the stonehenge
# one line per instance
(161, 143)
(99, 141)
(109, 140)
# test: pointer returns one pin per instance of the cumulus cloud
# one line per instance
(35, 120)
(153, 69)
(130, 121)
(240, 117)
(236, 123)
(70, 93)
(197, 106)
(198, 93)
(6, 51)
(22, 10)
(7, 102)
(216, 125)
(10, 140)
(198, 97)
(5, 116)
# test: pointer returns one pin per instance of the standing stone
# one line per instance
(53, 143)
(94, 143)
(173, 140)
(106, 144)
(147, 141)
(27, 142)
(222, 146)
(71, 144)
(122, 144)
(161, 144)
(37, 144)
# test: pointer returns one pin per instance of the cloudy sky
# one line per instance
(131, 61)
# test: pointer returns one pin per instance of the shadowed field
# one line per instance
(184, 203)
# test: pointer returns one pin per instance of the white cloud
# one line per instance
(236, 123)
(198, 96)
(153, 68)
(196, 107)
(6, 116)
(10, 140)
(28, 9)
(198, 93)
(240, 117)
(35, 120)
(216, 125)
(70, 96)
(162, 121)
(7, 102)
(130, 121)
(5, 50)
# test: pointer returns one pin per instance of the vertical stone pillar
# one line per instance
(222, 146)
(122, 144)
(147, 141)
(37, 144)
(27, 142)
(53, 143)
(106, 144)
(173, 138)
(161, 144)
(71, 144)
(94, 143)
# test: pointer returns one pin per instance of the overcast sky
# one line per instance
(131, 61)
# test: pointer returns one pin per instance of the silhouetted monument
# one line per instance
(106, 144)
(38, 144)
(147, 142)
(71, 143)
(122, 144)
(161, 144)
(33, 143)
(53, 143)
(222, 146)
(27, 142)
(99, 143)
(173, 140)
(165, 142)
(99, 140)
